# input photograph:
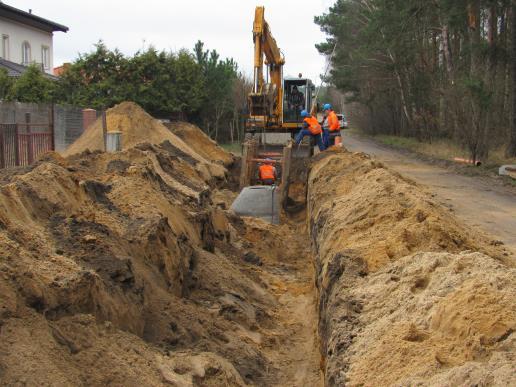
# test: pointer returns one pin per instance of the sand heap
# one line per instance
(201, 142)
(139, 127)
(408, 295)
(115, 268)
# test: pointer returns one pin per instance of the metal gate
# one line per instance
(21, 144)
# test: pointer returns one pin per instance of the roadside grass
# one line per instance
(441, 149)
(446, 150)
(235, 148)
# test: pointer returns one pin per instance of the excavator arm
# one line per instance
(266, 97)
(265, 45)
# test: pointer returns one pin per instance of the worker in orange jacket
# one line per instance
(333, 124)
(267, 172)
(311, 127)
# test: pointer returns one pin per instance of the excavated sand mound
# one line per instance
(408, 295)
(201, 142)
(139, 127)
(116, 269)
(436, 319)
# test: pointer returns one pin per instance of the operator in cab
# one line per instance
(267, 172)
(311, 127)
(296, 99)
(333, 126)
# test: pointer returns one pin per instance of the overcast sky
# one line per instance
(224, 25)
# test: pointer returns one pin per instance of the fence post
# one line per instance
(104, 129)
(30, 153)
(17, 145)
(51, 126)
(2, 148)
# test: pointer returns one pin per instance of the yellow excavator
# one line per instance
(275, 103)
(275, 106)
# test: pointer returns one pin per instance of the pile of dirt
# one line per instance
(138, 127)
(436, 319)
(112, 272)
(125, 269)
(408, 295)
(201, 142)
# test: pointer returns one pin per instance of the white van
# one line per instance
(342, 120)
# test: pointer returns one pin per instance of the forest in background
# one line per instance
(428, 69)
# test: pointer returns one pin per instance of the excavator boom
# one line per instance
(264, 45)
(265, 100)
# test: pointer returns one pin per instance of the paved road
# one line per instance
(490, 208)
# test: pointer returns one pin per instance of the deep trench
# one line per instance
(334, 308)
(302, 364)
(337, 316)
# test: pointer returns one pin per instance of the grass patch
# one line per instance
(443, 149)
(403, 142)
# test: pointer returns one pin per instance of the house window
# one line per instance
(5, 47)
(45, 57)
(26, 57)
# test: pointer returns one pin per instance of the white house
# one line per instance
(27, 38)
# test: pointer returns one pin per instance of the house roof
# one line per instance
(15, 70)
(27, 18)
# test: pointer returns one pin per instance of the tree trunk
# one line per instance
(489, 126)
(402, 93)
(511, 149)
(506, 103)
(476, 119)
(474, 35)
(447, 52)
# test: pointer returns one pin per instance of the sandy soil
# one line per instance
(408, 294)
(138, 127)
(478, 202)
(289, 271)
(204, 145)
(126, 269)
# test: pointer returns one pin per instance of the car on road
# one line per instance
(342, 120)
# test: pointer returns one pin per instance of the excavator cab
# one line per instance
(296, 97)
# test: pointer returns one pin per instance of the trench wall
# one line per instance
(407, 294)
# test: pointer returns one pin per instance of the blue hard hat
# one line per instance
(304, 113)
(326, 106)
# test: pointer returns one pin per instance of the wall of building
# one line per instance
(18, 33)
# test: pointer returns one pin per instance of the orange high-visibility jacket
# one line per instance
(313, 125)
(333, 122)
(267, 171)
